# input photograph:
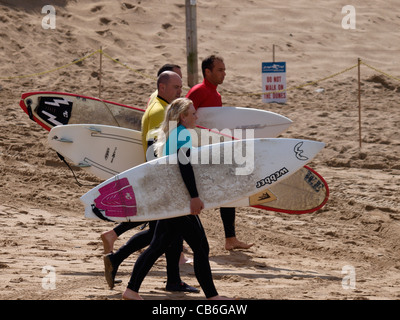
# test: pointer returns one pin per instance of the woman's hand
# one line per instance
(196, 205)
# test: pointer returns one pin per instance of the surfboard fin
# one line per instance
(84, 165)
(62, 139)
(94, 129)
(29, 108)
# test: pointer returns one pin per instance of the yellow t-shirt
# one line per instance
(152, 119)
(152, 97)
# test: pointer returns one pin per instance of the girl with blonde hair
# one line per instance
(176, 112)
(180, 117)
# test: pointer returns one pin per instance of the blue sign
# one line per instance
(271, 67)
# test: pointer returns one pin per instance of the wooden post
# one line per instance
(359, 101)
(273, 53)
(101, 70)
(191, 42)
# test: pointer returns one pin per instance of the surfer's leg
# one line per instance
(228, 216)
(143, 239)
(109, 237)
(139, 241)
(228, 219)
(112, 261)
(161, 240)
(125, 226)
(193, 233)
(173, 255)
(135, 243)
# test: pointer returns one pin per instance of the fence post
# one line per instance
(359, 101)
(273, 53)
(101, 70)
(191, 42)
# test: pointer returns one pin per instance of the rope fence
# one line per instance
(380, 71)
(144, 75)
(32, 75)
(226, 92)
(308, 83)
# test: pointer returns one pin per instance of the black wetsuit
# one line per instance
(169, 230)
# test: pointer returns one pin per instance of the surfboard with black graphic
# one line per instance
(51, 109)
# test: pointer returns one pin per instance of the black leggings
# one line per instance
(167, 231)
(142, 240)
(125, 226)
(228, 220)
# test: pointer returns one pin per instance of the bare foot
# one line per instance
(108, 238)
(234, 243)
(183, 259)
(220, 298)
(131, 295)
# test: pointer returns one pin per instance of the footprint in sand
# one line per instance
(96, 8)
(105, 21)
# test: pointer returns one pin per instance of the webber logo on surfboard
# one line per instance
(272, 178)
(299, 154)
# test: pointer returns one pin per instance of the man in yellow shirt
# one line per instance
(169, 86)
(166, 67)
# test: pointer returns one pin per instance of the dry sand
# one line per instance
(294, 257)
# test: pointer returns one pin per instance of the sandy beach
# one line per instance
(350, 249)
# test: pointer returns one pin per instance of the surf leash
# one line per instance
(98, 214)
(73, 173)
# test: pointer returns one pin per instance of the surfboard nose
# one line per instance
(306, 150)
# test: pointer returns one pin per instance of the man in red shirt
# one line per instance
(205, 94)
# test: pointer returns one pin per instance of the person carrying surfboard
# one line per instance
(174, 137)
(203, 95)
(169, 86)
(150, 120)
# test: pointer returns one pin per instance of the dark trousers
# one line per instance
(228, 220)
(167, 231)
(142, 240)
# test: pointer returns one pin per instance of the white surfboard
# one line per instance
(50, 109)
(305, 191)
(102, 150)
(106, 151)
(234, 121)
(224, 172)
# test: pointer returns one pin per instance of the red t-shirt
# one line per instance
(205, 94)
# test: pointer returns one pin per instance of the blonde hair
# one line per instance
(172, 119)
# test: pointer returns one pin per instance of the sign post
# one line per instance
(274, 82)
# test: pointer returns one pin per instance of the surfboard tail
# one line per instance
(117, 199)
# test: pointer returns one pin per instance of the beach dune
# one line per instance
(350, 249)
